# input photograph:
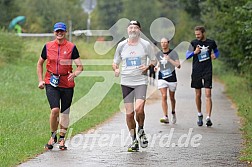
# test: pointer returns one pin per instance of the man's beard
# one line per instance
(133, 35)
(200, 39)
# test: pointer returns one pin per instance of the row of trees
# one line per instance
(41, 15)
(228, 22)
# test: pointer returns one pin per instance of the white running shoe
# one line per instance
(142, 138)
(174, 119)
(134, 147)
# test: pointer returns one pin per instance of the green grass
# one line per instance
(237, 88)
(10, 47)
(24, 109)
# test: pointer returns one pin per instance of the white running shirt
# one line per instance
(132, 56)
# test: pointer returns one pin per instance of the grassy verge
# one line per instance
(237, 89)
(24, 110)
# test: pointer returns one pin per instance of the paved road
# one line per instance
(181, 144)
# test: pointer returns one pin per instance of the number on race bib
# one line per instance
(166, 73)
(133, 61)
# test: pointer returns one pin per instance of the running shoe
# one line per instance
(164, 120)
(209, 122)
(174, 119)
(142, 138)
(200, 120)
(134, 147)
(51, 142)
(62, 144)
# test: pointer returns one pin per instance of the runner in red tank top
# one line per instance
(59, 81)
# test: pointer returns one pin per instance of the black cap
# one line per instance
(134, 22)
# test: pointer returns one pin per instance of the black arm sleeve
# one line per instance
(43, 54)
(214, 45)
(75, 53)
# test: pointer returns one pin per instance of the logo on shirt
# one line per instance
(163, 61)
(203, 49)
(132, 53)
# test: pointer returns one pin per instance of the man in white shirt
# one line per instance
(133, 53)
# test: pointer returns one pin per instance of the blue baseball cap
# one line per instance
(59, 26)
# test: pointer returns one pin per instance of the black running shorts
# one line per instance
(58, 95)
(203, 81)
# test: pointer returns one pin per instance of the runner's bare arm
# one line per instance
(79, 65)
(115, 66)
(78, 70)
(176, 63)
(156, 67)
(40, 63)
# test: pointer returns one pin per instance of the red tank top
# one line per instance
(59, 62)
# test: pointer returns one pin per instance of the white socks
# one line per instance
(199, 114)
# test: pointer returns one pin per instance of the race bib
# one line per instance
(54, 80)
(166, 73)
(133, 61)
(203, 56)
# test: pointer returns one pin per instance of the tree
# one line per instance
(144, 12)
(42, 15)
(227, 22)
(245, 28)
(107, 13)
(192, 7)
(8, 10)
(183, 21)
